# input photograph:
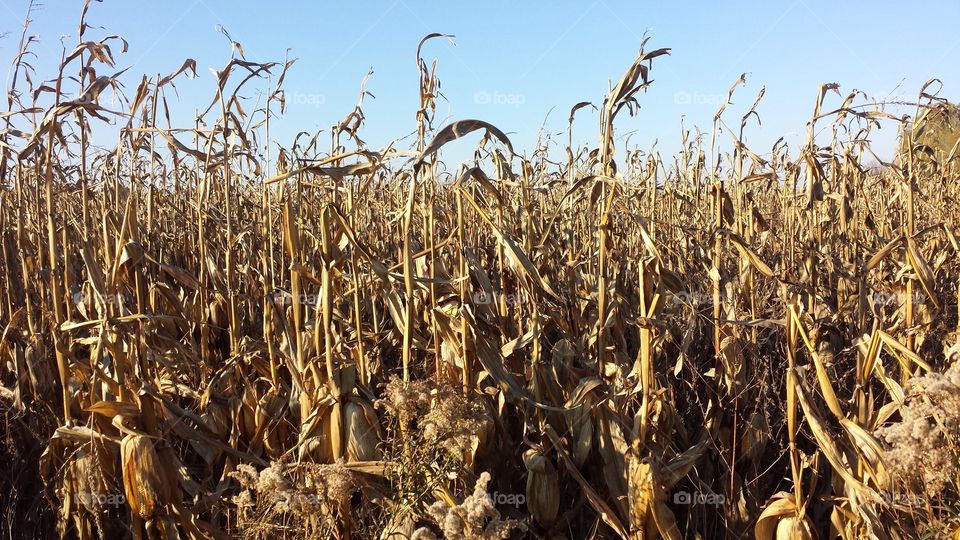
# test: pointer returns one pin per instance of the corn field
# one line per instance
(208, 333)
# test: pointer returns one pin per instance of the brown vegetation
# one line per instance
(370, 343)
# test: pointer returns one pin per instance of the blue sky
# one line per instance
(511, 63)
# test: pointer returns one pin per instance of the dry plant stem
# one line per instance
(292, 240)
(56, 292)
(228, 209)
(717, 277)
(464, 283)
(647, 380)
(333, 370)
(408, 279)
(791, 412)
(358, 301)
(430, 233)
(908, 231)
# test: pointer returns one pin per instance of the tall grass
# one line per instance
(204, 338)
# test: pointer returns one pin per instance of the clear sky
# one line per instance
(512, 63)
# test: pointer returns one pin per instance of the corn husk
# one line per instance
(543, 488)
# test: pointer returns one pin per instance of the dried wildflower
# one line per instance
(332, 483)
(244, 499)
(442, 414)
(246, 475)
(406, 400)
(454, 421)
(924, 444)
(306, 491)
(476, 518)
(272, 479)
